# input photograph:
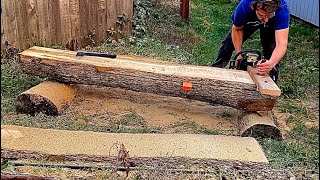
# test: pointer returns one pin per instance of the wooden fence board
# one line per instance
(21, 13)
(9, 22)
(111, 14)
(75, 24)
(102, 19)
(65, 19)
(32, 20)
(26, 23)
(44, 31)
(84, 23)
(128, 10)
(54, 21)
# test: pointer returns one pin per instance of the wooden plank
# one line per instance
(33, 23)
(9, 22)
(65, 19)
(54, 22)
(111, 15)
(128, 11)
(44, 32)
(215, 85)
(93, 25)
(75, 24)
(21, 24)
(102, 20)
(21, 177)
(265, 84)
(84, 21)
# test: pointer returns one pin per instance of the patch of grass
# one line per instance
(146, 46)
(211, 20)
(13, 80)
(130, 123)
(307, 136)
(301, 160)
(184, 125)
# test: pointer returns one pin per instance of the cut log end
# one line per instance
(263, 131)
(48, 97)
(257, 125)
(34, 103)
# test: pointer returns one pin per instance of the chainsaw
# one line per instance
(249, 58)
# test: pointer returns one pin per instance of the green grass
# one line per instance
(197, 42)
(295, 157)
(13, 81)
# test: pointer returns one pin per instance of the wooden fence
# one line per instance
(70, 23)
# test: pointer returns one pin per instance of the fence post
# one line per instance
(184, 9)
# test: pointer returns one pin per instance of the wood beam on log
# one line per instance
(214, 85)
(265, 84)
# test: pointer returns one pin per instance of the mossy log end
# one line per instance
(214, 85)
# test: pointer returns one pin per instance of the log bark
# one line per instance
(48, 97)
(213, 166)
(24, 177)
(214, 85)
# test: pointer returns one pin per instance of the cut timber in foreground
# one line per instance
(215, 85)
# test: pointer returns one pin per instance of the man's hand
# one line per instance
(264, 67)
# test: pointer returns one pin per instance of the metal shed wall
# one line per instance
(307, 10)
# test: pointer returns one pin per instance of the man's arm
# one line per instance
(237, 37)
(281, 37)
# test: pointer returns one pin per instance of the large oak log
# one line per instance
(215, 85)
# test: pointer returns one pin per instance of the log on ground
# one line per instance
(261, 124)
(214, 85)
(48, 97)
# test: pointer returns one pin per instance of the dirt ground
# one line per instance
(162, 114)
(154, 111)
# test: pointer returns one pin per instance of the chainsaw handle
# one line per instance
(96, 54)
(247, 51)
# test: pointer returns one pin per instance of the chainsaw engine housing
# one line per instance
(248, 58)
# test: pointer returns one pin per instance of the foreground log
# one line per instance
(24, 177)
(215, 85)
(48, 97)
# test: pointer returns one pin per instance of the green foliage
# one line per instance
(142, 10)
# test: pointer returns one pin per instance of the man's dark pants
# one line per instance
(267, 36)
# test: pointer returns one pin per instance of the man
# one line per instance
(272, 18)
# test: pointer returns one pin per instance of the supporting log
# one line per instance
(214, 85)
(48, 97)
(258, 125)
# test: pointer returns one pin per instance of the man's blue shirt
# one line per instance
(243, 12)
